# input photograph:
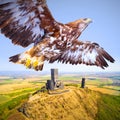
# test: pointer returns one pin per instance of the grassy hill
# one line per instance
(74, 104)
(99, 101)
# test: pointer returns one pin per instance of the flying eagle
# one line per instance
(30, 21)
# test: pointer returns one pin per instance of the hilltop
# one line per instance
(100, 100)
(73, 104)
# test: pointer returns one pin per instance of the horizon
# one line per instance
(30, 73)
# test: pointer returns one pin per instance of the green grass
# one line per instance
(117, 88)
(4, 98)
(12, 99)
(96, 82)
(10, 81)
(108, 107)
(66, 78)
(20, 92)
(6, 108)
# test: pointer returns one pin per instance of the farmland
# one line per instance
(16, 90)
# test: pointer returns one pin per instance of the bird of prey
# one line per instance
(30, 21)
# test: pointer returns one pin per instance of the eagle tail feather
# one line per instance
(31, 62)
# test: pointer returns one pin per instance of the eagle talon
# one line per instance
(35, 64)
(28, 63)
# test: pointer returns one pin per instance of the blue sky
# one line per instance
(104, 30)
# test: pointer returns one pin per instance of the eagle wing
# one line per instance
(76, 52)
(24, 21)
(88, 53)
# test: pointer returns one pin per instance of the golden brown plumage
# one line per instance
(30, 21)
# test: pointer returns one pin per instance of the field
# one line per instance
(97, 83)
(14, 91)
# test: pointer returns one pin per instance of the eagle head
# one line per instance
(80, 24)
(83, 23)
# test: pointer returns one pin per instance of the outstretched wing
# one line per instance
(24, 21)
(85, 53)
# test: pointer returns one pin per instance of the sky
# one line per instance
(104, 30)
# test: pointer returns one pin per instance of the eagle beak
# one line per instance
(88, 20)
